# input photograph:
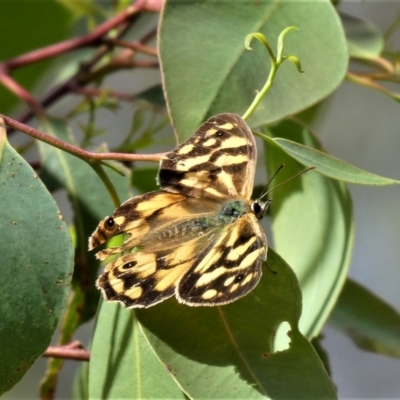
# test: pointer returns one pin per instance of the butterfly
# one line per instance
(199, 236)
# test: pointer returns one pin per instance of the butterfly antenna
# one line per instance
(265, 191)
(287, 180)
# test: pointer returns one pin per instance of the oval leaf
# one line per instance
(312, 228)
(36, 263)
(364, 39)
(210, 62)
(227, 352)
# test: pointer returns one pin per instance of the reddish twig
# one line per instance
(76, 151)
(94, 92)
(19, 91)
(71, 351)
(122, 61)
(136, 46)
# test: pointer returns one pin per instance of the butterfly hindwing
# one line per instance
(229, 269)
(206, 273)
(143, 279)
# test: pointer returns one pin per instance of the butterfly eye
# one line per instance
(110, 223)
(257, 210)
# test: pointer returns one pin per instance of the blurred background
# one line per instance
(367, 137)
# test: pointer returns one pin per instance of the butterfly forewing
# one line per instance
(196, 238)
(218, 161)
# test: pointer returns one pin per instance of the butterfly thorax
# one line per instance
(232, 210)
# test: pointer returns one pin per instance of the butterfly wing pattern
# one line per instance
(197, 238)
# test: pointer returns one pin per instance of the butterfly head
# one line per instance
(259, 207)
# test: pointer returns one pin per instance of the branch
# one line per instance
(77, 151)
(137, 46)
(19, 91)
(71, 351)
(368, 82)
(95, 92)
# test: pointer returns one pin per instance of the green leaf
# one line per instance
(227, 352)
(80, 389)
(36, 263)
(370, 322)
(364, 38)
(16, 27)
(211, 72)
(312, 228)
(122, 363)
(331, 166)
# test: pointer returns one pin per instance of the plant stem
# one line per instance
(276, 61)
(72, 351)
(77, 151)
(107, 183)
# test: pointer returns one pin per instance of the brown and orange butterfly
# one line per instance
(197, 238)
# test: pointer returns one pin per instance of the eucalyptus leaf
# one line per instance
(312, 227)
(370, 322)
(331, 166)
(144, 179)
(207, 70)
(209, 352)
(228, 352)
(363, 37)
(36, 263)
(80, 389)
(89, 199)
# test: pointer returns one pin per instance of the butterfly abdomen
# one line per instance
(192, 227)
